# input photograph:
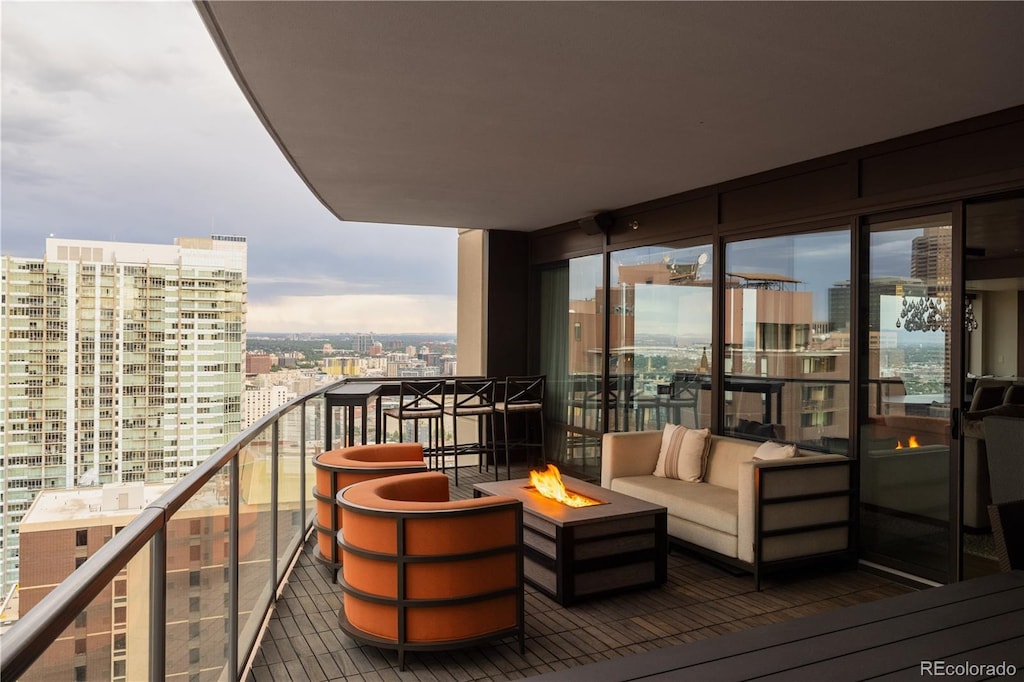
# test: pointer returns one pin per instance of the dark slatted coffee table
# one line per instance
(571, 553)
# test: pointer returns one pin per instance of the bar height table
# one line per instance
(351, 396)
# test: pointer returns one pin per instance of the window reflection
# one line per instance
(905, 433)
(787, 339)
(571, 354)
(660, 353)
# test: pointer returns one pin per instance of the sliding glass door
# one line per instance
(910, 393)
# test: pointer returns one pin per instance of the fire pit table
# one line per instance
(620, 542)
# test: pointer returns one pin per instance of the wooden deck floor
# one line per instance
(700, 600)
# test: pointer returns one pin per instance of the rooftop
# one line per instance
(53, 509)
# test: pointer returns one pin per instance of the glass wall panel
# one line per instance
(314, 415)
(198, 579)
(787, 339)
(905, 434)
(992, 348)
(289, 487)
(255, 586)
(660, 352)
(572, 357)
(109, 639)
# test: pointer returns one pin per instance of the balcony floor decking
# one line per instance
(700, 600)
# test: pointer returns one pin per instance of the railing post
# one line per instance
(274, 480)
(233, 573)
(158, 604)
(302, 464)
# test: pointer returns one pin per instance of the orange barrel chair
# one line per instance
(422, 572)
(336, 469)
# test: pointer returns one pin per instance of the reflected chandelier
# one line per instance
(930, 315)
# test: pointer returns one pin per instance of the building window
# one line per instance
(80, 646)
(193, 655)
(79, 560)
(193, 604)
(193, 578)
(80, 675)
(193, 553)
(119, 642)
(787, 311)
(81, 619)
(120, 615)
(81, 538)
(659, 343)
(193, 630)
(119, 668)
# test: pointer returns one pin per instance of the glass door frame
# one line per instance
(861, 294)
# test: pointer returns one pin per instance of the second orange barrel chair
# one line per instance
(336, 469)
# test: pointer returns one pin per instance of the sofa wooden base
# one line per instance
(739, 567)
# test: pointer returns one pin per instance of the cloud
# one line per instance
(381, 313)
(121, 122)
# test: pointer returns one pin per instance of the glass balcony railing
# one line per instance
(184, 589)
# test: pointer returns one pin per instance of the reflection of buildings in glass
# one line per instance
(770, 332)
(931, 258)
(668, 331)
(931, 261)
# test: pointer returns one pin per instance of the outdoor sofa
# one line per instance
(750, 513)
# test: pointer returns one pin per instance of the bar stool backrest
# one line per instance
(524, 390)
(473, 394)
(685, 386)
(421, 396)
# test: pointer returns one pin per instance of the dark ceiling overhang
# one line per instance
(522, 115)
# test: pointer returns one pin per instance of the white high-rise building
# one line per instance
(259, 402)
(118, 362)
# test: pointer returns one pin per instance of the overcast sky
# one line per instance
(121, 122)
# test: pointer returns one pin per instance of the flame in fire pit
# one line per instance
(911, 443)
(549, 484)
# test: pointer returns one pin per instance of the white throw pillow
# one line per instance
(683, 454)
(772, 450)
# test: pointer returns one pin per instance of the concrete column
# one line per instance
(472, 302)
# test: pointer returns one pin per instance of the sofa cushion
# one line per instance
(724, 460)
(772, 450)
(708, 505)
(683, 453)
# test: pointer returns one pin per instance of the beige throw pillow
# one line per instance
(683, 454)
(772, 450)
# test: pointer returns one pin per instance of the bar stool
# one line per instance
(418, 400)
(473, 398)
(684, 393)
(584, 400)
(523, 395)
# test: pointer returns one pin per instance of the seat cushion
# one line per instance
(708, 505)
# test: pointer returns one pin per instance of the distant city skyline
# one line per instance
(121, 122)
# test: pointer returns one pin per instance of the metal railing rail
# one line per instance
(29, 638)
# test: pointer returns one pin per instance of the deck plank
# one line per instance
(699, 601)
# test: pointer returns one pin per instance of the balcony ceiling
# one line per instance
(527, 114)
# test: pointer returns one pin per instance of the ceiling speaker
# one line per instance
(598, 223)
